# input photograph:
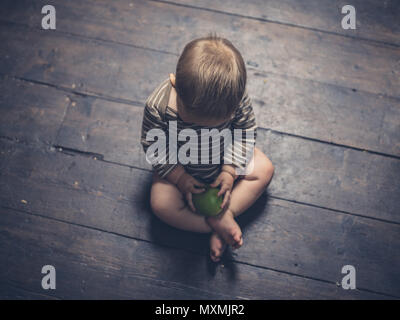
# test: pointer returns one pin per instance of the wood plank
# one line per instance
(77, 64)
(98, 133)
(271, 47)
(333, 177)
(91, 264)
(6, 151)
(316, 173)
(376, 20)
(109, 129)
(9, 292)
(93, 126)
(30, 112)
(280, 235)
(329, 113)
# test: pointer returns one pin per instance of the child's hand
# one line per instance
(188, 185)
(226, 181)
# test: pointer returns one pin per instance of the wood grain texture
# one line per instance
(78, 64)
(96, 265)
(274, 48)
(10, 292)
(30, 112)
(375, 20)
(316, 173)
(299, 106)
(333, 177)
(280, 235)
(329, 113)
(74, 183)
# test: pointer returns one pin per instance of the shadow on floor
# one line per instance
(165, 235)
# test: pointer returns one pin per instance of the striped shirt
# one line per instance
(158, 115)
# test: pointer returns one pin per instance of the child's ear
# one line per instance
(172, 79)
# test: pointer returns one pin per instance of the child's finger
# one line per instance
(197, 190)
(198, 183)
(223, 189)
(215, 183)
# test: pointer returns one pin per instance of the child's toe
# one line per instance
(237, 237)
(214, 256)
(238, 243)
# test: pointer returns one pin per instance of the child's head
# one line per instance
(210, 79)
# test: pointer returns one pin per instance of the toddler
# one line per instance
(208, 91)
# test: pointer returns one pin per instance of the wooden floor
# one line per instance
(74, 184)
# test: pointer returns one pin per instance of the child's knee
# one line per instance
(263, 170)
(163, 199)
(268, 172)
(159, 204)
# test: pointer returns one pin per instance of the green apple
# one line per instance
(208, 203)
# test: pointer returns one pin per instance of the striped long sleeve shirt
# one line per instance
(209, 156)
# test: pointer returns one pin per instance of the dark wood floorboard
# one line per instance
(101, 265)
(308, 171)
(269, 47)
(376, 20)
(279, 235)
(31, 112)
(11, 292)
(372, 123)
(74, 183)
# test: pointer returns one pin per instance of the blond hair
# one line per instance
(210, 77)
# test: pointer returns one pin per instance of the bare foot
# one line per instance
(217, 247)
(227, 229)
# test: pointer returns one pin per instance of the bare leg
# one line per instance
(248, 189)
(245, 192)
(169, 205)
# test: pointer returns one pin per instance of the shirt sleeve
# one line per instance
(153, 126)
(240, 152)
